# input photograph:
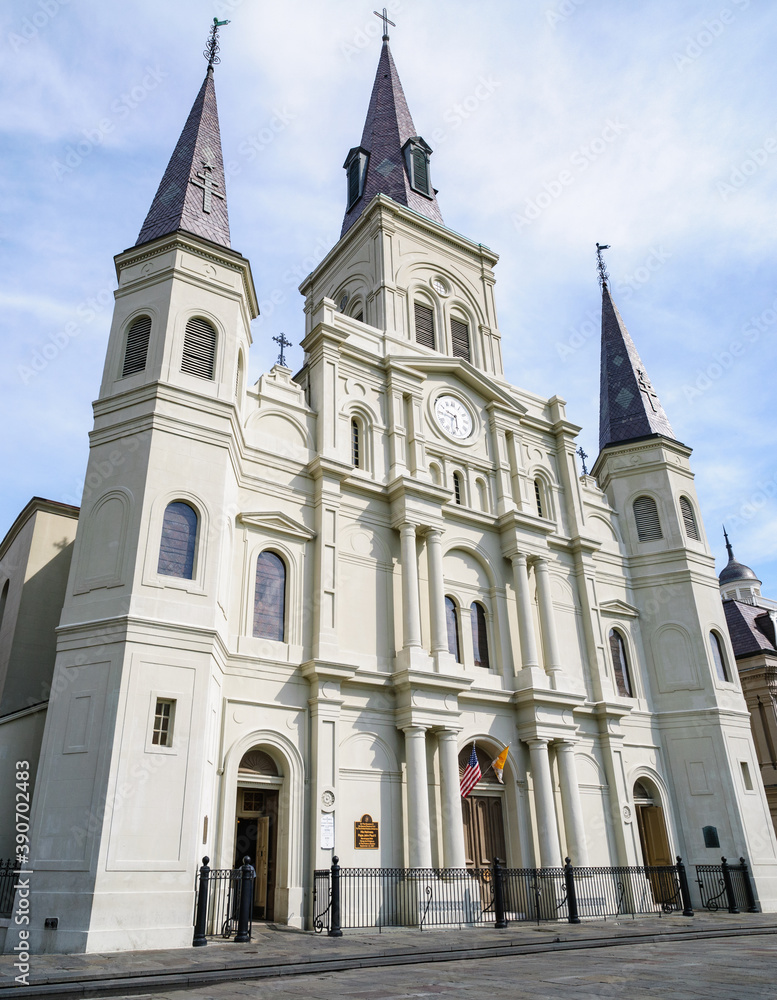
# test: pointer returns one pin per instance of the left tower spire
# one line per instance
(192, 195)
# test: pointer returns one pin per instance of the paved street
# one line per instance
(738, 968)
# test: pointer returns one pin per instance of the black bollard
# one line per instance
(752, 907)
(248, 875)
(685, 894)
(201, 917)
(732, 902)
(569, 882)
(499, 898)
(335, 930)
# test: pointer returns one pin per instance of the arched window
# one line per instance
(457, 488)
(718, 657)
(539, 497)
(479, 634)
(3, 601)
(646, 517)
(482, 494)
(199, 349)
(620, 664)
(239, 377)
(179, 539)
(460, 339)
(689, 519)
(356, 444)
(136, 349)
(434, 472)
(270, 597)
(424, 325)
(452, 619)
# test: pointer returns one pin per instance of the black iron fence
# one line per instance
(726, 886)
(224, 903)
(445, 897)
(8, 871)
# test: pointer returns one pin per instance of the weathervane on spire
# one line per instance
(211, 52)
(604, 277)
(283, 344)
(386, 23)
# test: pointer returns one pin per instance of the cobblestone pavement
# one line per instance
(741, 968)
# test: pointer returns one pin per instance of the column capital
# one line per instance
(537, 742)
(566, 743)
(407, 527)
(540, 562)
(518, 558)
(448, 733)
(432, 532)
(414, 730)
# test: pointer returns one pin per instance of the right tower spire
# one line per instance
(629, 407)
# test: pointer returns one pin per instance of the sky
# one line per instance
(648, 126)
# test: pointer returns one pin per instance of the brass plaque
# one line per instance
(365, 834)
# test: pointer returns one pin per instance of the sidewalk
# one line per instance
(280, 951)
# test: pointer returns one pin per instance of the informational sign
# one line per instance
(365, 834)
(327, 831)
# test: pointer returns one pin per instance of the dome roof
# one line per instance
(734, 571)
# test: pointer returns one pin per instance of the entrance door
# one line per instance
(652, 834)
(484, 837)
(256, 838)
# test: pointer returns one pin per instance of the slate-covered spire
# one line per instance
(192, 196)
(392, 159)
(629, 407)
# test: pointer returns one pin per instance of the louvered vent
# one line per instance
(460, 339)
(646, 516)
(137, 346)
(688, 519)
(353, 181)
(420, 171)
(199, 349)
(424, 325)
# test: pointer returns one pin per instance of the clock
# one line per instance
(453, 417)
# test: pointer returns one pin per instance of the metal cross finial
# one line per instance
(583, 457)
(283, 344)
(604, 277)
(211, 52)
(386, 23)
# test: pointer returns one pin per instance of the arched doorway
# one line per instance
(482, 812)
(651, 824)
(256, 825)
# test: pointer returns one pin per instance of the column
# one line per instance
(419, 847)
(411, 611)
(436, 591)
(453, 850)
(547, 622)
(525, 624)
(570, 801)
(544, 805)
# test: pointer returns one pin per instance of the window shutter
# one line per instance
(688, 519)
(457, 487)
(538, 497)
(353, 181)
(646, 516)
(460, 339)
(420, 171)
(136, 350)
(718, 658)
(479, 635)
(424, 325)
(199, 349)
(355, 445)
(270, 597)
(452, 621)
(179, 537)
(620, 664)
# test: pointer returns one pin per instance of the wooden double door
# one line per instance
(484, 832)
(256, 837)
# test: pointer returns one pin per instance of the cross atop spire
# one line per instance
(386, 23)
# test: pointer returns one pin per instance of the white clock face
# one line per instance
(453, 417)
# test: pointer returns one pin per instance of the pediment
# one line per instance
(466, 373)
(275, 522)
(618, 609)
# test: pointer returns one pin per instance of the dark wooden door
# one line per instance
(484, 835)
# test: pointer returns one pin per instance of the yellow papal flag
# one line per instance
(499, 765)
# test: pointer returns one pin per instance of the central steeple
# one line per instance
(392, 159)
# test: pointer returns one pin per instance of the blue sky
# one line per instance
(651, 127)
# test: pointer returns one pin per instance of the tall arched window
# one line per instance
(179, 541)
(539, 497)
(3, 601)
(199, 348)
(136, 349)
(620, 664)
(452, 620)
(482, 494)
(270, 597)
(356, 444)
(689, 519)
(646, 517)
(457, 488)
(479, 634)
(718, 657)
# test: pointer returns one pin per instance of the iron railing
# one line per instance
(726, 886)
(445, 897)
(224, 903)
(8, 873)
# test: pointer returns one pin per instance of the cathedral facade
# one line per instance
(300, 602)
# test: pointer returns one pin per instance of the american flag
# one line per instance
(472, 774)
